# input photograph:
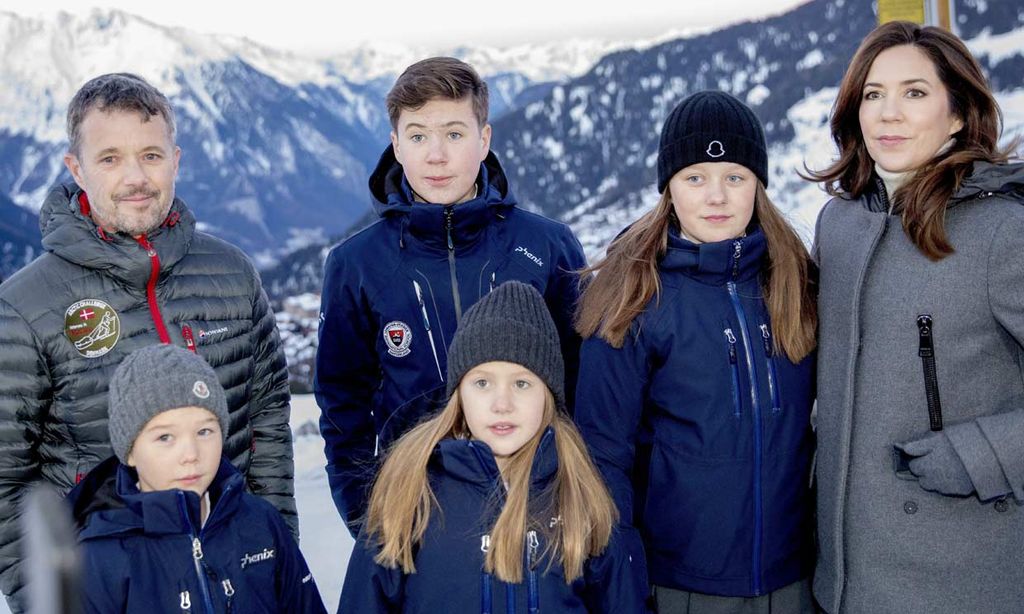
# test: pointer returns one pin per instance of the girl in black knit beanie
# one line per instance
(696, 380)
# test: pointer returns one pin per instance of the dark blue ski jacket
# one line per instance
(449, 573)
(146, 552)
(702, 431)
(392, 297)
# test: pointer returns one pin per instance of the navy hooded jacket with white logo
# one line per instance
(147, 552)
(702, 431)
(449, 562)
(392, 297)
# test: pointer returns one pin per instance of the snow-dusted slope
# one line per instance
(277, 146)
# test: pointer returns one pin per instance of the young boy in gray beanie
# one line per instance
(167, 524)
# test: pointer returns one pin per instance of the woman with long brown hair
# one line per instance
(493, 505)
(920, 467)
(695, 389)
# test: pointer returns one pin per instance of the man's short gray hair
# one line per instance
(116, 92)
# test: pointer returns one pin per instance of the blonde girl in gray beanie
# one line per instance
(494, 499)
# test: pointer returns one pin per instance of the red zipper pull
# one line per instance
(190, 341)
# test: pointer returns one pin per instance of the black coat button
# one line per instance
(910, 507)
(1002, 505)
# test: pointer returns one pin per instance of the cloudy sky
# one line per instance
(302, 26)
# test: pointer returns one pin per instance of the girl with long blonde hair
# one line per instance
(699, 332)
(493, 505)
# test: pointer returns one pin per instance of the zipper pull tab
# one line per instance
(228, 589)
(731, 338)
(737, 249)
(190, 341)
(493, 273)
(532, 541)
(197, 549)
(186, 600)
(485, 543)
(146, 245)
(767, 340)
(448, 213)
(926, 347)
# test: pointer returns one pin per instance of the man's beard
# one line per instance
(135, 223)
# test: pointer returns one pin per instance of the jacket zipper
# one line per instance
(744, 332)
(735, 368)
(773, 376)
(190, 341)
(485, 540)
(533, 595)
(197, 554)
(154, 275)
(926, 350)
(229, 592)
(185, 601)
(485, 578)
(887, 204)
(426, 324)
(510, 597)
(449, 213)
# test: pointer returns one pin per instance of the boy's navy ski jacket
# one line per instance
(392, 297)
(449, 562)
(702, 430)
(146, 552)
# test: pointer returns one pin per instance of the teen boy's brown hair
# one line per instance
(434, 78)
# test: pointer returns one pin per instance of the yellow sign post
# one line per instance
(901, 10)
(925, 12)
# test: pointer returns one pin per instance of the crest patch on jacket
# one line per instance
(398, 338)
(92, 326)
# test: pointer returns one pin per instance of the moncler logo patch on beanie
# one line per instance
(155, 379)
(711, 127)
(201, 390)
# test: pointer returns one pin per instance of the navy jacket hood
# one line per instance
(715, 263)
(393, 198)
(108, 502)
(473, 461)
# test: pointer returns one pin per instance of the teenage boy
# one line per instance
(167, 522)
(449, 231)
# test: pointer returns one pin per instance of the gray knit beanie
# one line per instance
(711, 126)
(155, 379)
(510, 324)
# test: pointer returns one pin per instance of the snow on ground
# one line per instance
(324, 540)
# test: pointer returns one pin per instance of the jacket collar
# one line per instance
(471, 460)
(393, 198)
(69, 232)
(993, 178)
(165, 512)
(985, 178)
(716, 263)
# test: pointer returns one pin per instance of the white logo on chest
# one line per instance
(257, 557)
(536, 259)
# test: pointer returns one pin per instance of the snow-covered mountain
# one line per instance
(276, 146)
(585, 152)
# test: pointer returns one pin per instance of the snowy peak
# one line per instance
(537, 62)
(44, 61)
